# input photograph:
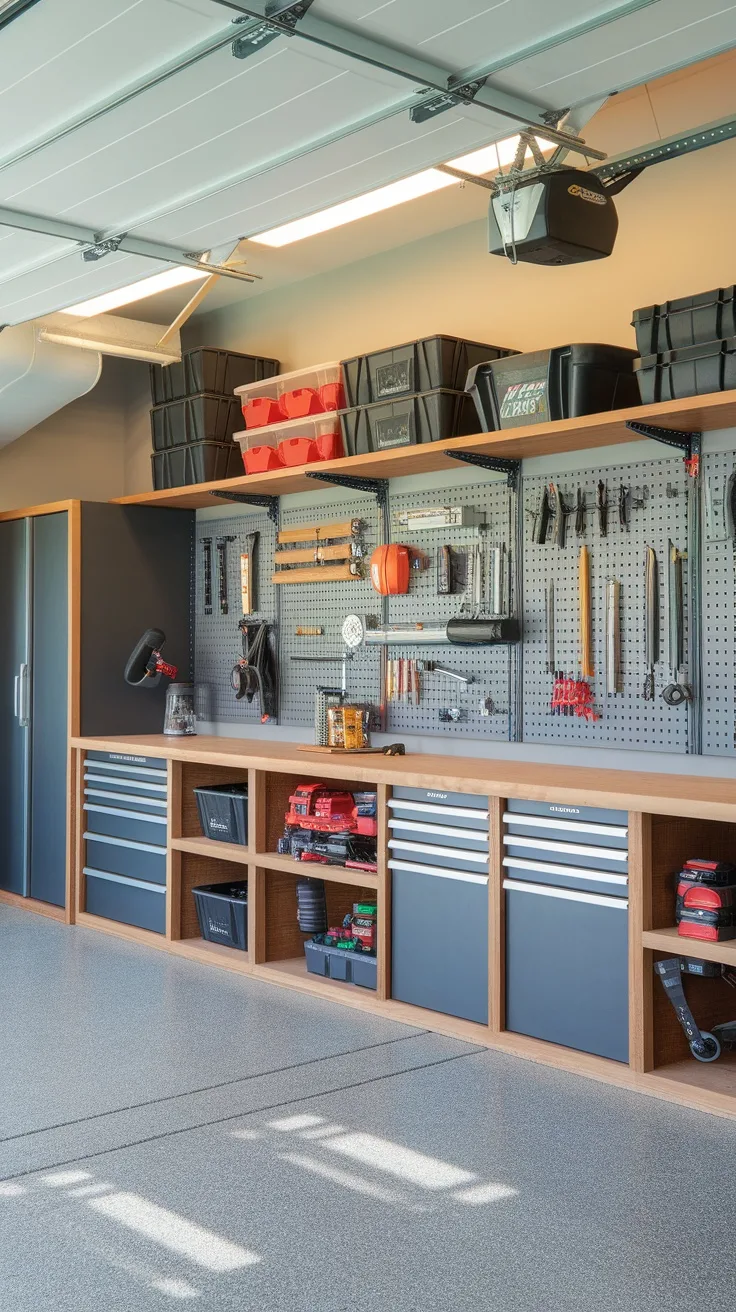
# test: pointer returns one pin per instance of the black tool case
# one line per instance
(688, 321)
(223, 812)
(688, 371)
(208, 369)
(195, 462)
(429, 417)
(420, 366)
(562, 382)
(222, 912)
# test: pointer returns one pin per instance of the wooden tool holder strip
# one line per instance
(319, 532)
(339, 551)
(319, 574)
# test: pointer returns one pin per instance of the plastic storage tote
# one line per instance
(199, 462)
(299, 442)
(430, 417)
(686, 322)
(688, 371)
(203, 418)
(223, 812)
(336, 963)
(207, 369)
(222, 912)
(563, 382)
(293, 396)
(567, 967)
(421, 366)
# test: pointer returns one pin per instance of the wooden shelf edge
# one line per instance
(212, 954)
(668, 940)
(313, 870)
(201, 846)
(32, 904)
(716, 410)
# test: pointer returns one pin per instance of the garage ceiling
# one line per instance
(135, 117)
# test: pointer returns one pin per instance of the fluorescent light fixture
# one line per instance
(135, 291)
(487, 160)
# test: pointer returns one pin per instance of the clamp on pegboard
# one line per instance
(499, 465)
(253, 499)
(689, 442)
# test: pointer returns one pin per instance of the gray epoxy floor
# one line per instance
(196, 1138)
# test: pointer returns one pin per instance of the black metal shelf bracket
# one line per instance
(499, 464)
(687, 441)
(378, 487)
(253, 499)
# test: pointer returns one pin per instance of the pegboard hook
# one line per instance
(499, 464)
(689, 442)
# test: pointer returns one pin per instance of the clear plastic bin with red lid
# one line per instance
(297, 395)
(297, 442)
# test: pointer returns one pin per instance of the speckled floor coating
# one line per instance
(419, 1175)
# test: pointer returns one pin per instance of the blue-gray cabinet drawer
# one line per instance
(575, 831)
(566, 853)
(438, 797)
(121, 856)
(122, 761)
(415, 831)
(120, 822)
(431, 813)
(559, 876)
(125, 786)
(567, 968)
(431, 854)
(440, 940)
(130, 901)
(568, 811)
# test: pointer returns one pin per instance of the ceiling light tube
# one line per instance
(177, 276)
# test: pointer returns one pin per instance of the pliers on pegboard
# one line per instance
(254, 674)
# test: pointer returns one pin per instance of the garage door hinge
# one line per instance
(286, 13)
(431, 104)
(103, 246)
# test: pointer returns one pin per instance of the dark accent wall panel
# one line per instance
(136, 563)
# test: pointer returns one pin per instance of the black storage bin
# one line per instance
(223, 812)
(203, 418)
(562, 382)
(689, 371)
(567, 968)
(199, 462)
(222, 912)
(420, 366)
(337, 963)
(429, 417)
(686, 322)
(208, 369)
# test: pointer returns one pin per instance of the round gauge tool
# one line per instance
(353, 631)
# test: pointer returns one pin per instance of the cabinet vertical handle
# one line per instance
(23, 697)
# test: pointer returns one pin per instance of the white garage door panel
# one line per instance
(324, 178)
(86, 52)
(24, 250)
(670, 34)
(230, 126)
(66, 282)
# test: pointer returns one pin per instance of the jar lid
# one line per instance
(182, 688)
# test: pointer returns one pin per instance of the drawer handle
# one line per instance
(479, 858)
(124, 879)
(576, 849)
(124, 842)
(568, 826)
(126, 815)
(567, 894)
(462, 876)
(465, 835)
(125, 769)
(126, 797)
(431, 808)
(143, 784)
(571, 872)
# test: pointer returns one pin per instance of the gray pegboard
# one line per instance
(327, 604)
(217, 643)
(627, 721)
(493, 669)
(718, 612)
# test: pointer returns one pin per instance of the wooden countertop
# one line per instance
(626, 790)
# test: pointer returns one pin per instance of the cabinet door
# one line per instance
(14, 704)
(49, 709)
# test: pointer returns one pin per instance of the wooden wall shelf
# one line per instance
(704, 413)
(659, 1063)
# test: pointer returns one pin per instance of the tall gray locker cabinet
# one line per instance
(132, 572)
(34, 706)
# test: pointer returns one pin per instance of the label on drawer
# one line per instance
(569, 811)
(479, 801)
